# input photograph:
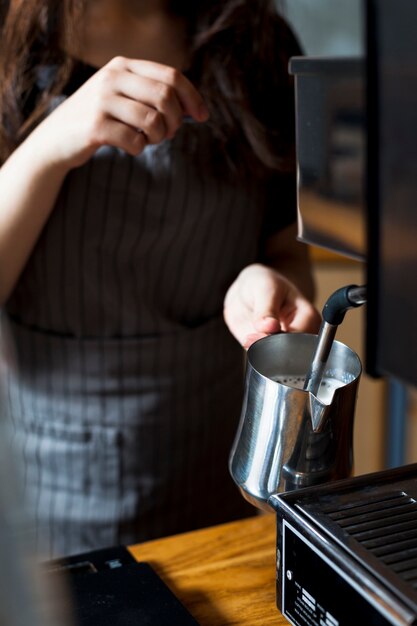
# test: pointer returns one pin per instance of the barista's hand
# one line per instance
(261, 301)
(128, 103)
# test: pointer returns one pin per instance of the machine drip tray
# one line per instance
(347, 551)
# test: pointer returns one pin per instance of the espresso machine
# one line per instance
(346, 547)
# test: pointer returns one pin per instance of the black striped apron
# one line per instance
(125, 389)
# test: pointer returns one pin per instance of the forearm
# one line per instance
(29, 185)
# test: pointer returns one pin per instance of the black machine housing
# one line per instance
(347, 551)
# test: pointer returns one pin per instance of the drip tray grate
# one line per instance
(376, 524)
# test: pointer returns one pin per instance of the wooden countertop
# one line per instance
(223, 575)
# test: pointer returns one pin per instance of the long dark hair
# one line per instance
(240, 51)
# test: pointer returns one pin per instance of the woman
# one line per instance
(148, 180)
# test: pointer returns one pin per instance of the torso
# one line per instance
(129, 386)
(128, 390)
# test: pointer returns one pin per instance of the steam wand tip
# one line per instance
(333, 313)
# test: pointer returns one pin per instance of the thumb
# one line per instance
(268, 302)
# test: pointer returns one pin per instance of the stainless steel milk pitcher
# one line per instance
(288, 437)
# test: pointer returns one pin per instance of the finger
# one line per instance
(251, 338)
(138, 116)
(238, 320)
(119, 135)
(154, 94)
(300, 317)
(268, 300)
(267, 324)
(190, 99)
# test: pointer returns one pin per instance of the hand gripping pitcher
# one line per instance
(296, 426)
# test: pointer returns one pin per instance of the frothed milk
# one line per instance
(326, 389)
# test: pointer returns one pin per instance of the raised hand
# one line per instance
(128, 103)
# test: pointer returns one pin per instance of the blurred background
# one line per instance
(326, 27)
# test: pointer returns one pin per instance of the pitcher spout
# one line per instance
(318, 413)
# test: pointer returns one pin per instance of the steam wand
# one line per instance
(333, 314)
